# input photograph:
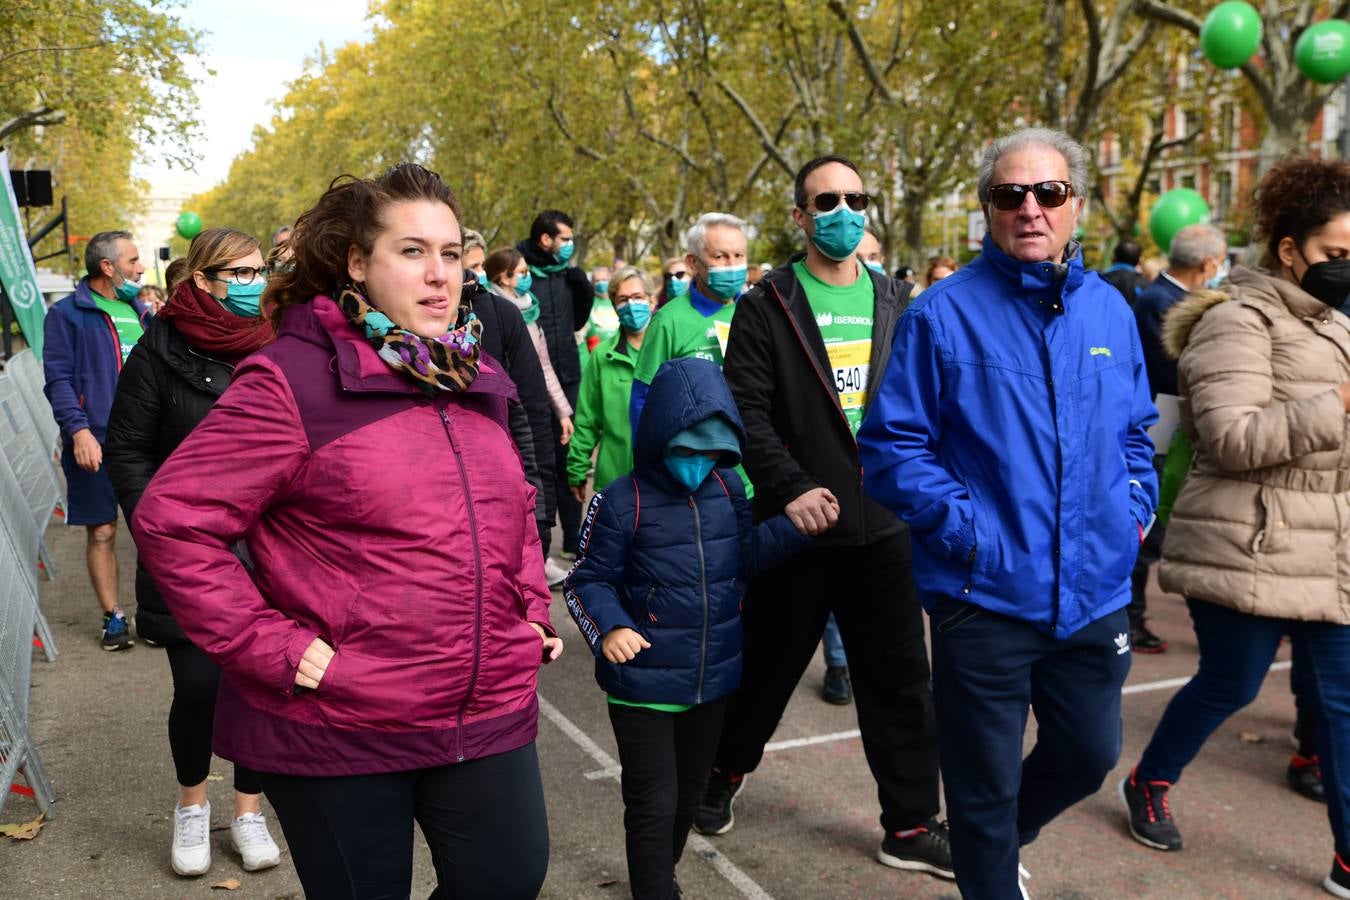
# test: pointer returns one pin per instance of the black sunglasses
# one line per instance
(1049, 194)
(677, 276)
(830, 199)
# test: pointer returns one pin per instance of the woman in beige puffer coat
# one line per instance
(1259, 539)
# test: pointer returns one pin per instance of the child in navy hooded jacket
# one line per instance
(656, 591)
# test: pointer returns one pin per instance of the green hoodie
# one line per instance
(602, 415)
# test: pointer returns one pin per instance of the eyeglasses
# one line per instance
(237, 274)
(678, 276)
(830, 199)
(1049, 194)
(629, 298)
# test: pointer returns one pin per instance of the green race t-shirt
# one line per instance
(124, 319)
(844, 315)
(659, 707)
(678, 331)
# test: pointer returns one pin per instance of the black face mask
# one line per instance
(1328, 281)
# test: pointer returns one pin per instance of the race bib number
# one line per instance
(723, 330)
(850, 362)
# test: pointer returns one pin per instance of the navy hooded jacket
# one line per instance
(669, 564)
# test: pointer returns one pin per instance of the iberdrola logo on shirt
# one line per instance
(825, 319)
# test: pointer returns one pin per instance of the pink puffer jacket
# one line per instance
(398, 527)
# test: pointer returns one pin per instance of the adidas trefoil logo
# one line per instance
(1122, 644)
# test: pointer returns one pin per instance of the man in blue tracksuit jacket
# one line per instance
(1009, 432)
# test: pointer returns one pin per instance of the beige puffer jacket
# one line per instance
(1262, 522)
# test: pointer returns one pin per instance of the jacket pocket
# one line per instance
(1272, 528)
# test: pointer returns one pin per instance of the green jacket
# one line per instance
(602, 416)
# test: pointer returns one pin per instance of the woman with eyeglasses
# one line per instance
(175, 374)
(381, 657)
(602, 419)
(675, 281)
(1259, 537)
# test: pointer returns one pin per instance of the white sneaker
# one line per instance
(191, 853)
(251, 838)
(554, 573)
(1022, 876)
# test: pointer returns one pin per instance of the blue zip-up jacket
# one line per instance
(669, 564)
(81, 359)
(1009, 431)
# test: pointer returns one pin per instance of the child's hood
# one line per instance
(683, 393)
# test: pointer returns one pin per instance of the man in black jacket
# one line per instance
(505, 339)
(806, 345)
(565, 298)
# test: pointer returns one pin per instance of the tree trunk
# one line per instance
(912, 251)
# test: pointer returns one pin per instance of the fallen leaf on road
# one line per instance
(23, 832)
(229, 884)
(609, 883)
(1250, 737)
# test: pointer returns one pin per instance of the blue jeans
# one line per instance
(988, 671)
(1236, 650)
(834, 645)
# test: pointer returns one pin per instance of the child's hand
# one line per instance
(552, 646)
(622, 644)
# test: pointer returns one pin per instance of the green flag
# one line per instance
(17, 274)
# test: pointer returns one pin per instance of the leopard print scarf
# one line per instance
(445, 363)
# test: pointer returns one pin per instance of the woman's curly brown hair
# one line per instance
(349, 213)
(1296, 197)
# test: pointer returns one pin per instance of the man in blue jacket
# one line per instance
(1009, 432)
(89, 335)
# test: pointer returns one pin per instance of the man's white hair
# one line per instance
(696, 236)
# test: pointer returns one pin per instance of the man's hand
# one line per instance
(313, 664)
(567, 429)
(88, 451)
(622, 644)
(579, 491)
(553, 646)
(814, 512)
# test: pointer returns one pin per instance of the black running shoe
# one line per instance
(924, 848)
(1338, 882)
(1150, 817)
(1144, 641)
(838, 689)
(116, 636)
(715, 814)
(1305, 776)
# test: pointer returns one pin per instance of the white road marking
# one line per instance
(610, 769)
(1179, 682)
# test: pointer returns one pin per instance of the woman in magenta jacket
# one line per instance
(380, 658)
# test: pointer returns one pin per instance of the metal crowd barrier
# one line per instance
(26, 443)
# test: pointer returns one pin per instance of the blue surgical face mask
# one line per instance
(1219, 277)
(524, 283)
(127, 290)
(676, 287)
(243, 299)
(602, 289)
(725, 282)
(875, 266)
(481, 275)
(838, 232)
(689, 470)
(565, 251)
(634, 315)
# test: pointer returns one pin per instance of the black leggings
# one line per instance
(351, 836)
(192, 717)
(665, 758)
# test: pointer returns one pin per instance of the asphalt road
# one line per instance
(806, 823)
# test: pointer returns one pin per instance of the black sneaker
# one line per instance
(924, 848)
(1150, 817)
(1305, 776)
(1338, 882)
(1144, 641)
(837, 688)
(116, 635)
(714, 814)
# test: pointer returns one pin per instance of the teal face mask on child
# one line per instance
(689, 471)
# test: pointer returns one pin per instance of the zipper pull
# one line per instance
(449, 429)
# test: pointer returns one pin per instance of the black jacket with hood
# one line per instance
(797, 436)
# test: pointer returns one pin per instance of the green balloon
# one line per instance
(1323, 51)
(1231, 34)
(1174, 211)
(188, 225)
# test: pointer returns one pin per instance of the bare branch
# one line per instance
(874, 74)
(766, 140)
(44, 115)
